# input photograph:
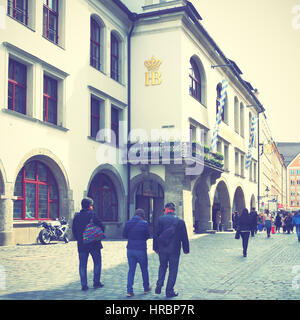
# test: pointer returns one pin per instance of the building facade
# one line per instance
(272, 171)
(102, 84)
(293, 183)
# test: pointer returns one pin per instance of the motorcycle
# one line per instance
(52, 231)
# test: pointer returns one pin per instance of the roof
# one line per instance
(289, 150)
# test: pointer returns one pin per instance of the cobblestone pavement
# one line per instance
(214, 270)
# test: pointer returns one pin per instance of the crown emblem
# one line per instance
(153, 64)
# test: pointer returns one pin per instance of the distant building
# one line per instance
(291, 154)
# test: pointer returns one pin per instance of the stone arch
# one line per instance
(201, 205)
(222, 203)
(147, 202)
(239, 203)
(252, 202)
(2, 179)
(116, 179)
(66, 203)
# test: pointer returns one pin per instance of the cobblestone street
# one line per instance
(214, 270)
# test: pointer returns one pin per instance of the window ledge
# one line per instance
(23, 24)
(26, 117)
(56, 44)
(94, 139)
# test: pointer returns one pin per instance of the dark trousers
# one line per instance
(83, 260)
(137, 257)
(253, 230)
(245, 238)
(165, 260)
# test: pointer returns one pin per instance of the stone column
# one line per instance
(6, 221)
(178, 191)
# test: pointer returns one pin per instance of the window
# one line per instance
(18, 9)
(254, 172)
(17, 79)
(195, 88)
(292, 203)
(236, 115)
(114, 58)
(298, 182)
(50, 20)
(102, 191)
(37, 193)
(115, 124)
(226, 157)
(50, 100)
(95, 116)
(292, 172)
(95, 56)
(236, 158)
(242, 165)
(292, 182)
(242, 119)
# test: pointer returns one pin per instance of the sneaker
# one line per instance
(172, 294)
(84, 288)
(149, 289)
(98, 285)
(158, 290)
(129, 294)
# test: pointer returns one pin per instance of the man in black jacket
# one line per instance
(80, 222)
(169, 251)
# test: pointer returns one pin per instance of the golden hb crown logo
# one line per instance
(153, 76)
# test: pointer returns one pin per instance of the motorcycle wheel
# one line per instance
(66, 239)
(44, 237)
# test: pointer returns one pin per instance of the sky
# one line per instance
(263, 38)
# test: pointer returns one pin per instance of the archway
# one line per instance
(221, 205)
(147, 193)
(201, 206)
(48, 193)
(252, 202)
(238, 200)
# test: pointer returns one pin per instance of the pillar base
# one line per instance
(6, 238)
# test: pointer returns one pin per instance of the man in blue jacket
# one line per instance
(169, 249)
(137, 232)
(296, 222)
(80, 222)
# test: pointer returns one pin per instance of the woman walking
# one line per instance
(278, 222)
(244, 229)
(268, 222)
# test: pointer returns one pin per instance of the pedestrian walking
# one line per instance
(235, 220)
(296, 223)
(288, 223)
(170, 237)
(254, 219)
(137, 232)
(278, 222)
(245, 225)
(260, 222)
(81, 220)
(268, 222)
(219, 220)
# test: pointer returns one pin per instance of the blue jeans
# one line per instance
(83, 260)
(134, 257)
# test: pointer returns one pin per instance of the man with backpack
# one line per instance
(171, 235)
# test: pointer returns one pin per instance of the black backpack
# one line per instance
(166, 236)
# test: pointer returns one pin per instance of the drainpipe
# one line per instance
(129, 109)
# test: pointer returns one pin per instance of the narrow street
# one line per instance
(214, 270)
